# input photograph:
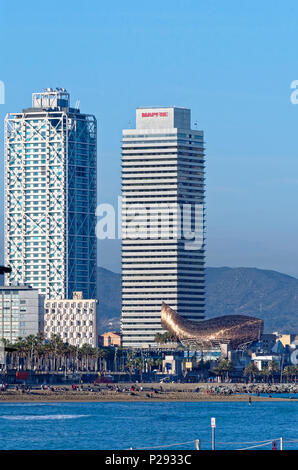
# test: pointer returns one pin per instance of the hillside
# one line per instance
(269, 295)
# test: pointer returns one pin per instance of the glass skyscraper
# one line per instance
(162, 254)
(50, 197)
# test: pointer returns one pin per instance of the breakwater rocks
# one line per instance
(252, 388)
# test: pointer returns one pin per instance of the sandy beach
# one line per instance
(143, 392)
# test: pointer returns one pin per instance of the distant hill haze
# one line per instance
(269, 295)
(109, 296)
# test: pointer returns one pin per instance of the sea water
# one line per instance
(116, 425)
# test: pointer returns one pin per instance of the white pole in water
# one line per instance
(213, 424)
(281, 444)
(198, 444)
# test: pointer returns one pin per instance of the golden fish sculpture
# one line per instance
(235, 330)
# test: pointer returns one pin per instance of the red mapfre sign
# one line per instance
(162, 114)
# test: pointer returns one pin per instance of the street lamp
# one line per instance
(5, 269)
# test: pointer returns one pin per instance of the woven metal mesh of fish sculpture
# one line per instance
(235, 330)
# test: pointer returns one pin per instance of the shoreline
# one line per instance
(148, 392)
(112, 397)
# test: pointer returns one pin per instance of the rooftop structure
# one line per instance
(110, 338)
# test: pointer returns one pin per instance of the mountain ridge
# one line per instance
(266, 294)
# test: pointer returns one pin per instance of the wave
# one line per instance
(41, 417)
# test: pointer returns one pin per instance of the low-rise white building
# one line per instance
(75, 320)
(263, 360)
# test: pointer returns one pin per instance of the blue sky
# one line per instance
(231, 62)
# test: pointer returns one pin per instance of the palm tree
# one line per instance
(290, 371)
(228, 368)
(139, 364)
(21, 353)
(163, 338)
(273, 367)
(121, 352)
(102, 355)
(265, 372)
(31, 347)
(131, 364)
(223, 368)
(217, 370)
(86, 352)
(39, 351)
(55, 350)
(251, 370)
(72, 354)
(150, 363)
(159, 338)
(158, 363)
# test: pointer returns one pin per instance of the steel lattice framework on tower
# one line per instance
(50, 197)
